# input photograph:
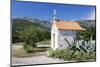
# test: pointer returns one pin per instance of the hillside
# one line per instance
(88, 23)
(35, 22)
(23, 27)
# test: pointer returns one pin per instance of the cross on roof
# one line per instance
(54, 12)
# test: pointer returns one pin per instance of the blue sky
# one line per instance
(44, 11)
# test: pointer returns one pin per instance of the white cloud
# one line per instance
(89, 16)
(92, 15)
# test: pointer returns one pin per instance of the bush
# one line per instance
(60, 53)
(30, 42)
(28, 48)
(85, 35)
(35, 37)
(68, 54)
(80, 50)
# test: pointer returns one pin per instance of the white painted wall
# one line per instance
(54, 31)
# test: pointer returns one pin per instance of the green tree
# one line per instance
(86, 35)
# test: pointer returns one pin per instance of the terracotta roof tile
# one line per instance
(68, 25)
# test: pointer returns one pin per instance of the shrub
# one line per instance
(35, 37)
(59, 53)
(68, 54)
(28, 48)
(55, 54)
(30, 42)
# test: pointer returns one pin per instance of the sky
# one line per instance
(44, 11)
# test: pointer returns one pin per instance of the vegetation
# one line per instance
(33, 38)
(21, 29)
(71, 55)
(89, 25)
(29, 32)
(85, 35)
(81, 50)
(45, 42)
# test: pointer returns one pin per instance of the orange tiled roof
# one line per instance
(68, 25)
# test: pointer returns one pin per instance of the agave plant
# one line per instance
(84, 46)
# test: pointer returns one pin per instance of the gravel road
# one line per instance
(41, 59)
(35, 60)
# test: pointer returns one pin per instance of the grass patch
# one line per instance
(21, 53)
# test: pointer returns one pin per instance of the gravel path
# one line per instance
(35, 60)
(40, 59)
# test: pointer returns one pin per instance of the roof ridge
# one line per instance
(65, 21)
